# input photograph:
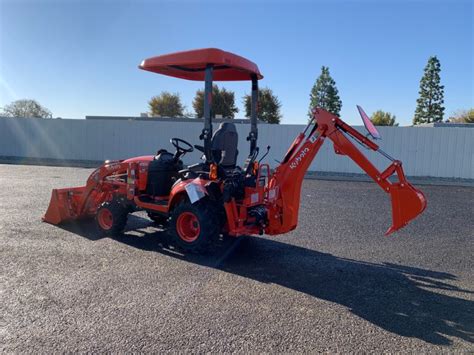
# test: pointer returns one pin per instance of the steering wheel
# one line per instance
(178, 142)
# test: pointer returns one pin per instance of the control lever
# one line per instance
(250, 159)
(264, 155)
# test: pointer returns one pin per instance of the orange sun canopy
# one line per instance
(191, 65)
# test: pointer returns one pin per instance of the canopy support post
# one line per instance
(206, 134)
(253, 135)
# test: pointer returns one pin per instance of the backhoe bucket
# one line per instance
(64, 205)
(407, 203)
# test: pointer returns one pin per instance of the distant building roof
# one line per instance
(446, 125)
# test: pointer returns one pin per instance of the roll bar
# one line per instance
(206, 133)
(253, 134)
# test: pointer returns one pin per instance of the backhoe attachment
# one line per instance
(407, 201)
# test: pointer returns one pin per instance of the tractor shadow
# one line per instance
(407, 301)
(143, 234)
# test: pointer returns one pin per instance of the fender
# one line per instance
(179, 191)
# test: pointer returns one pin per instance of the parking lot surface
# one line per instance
(335, 284)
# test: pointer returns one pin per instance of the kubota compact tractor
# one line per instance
(200, 202)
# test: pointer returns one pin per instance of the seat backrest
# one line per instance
(224, 145)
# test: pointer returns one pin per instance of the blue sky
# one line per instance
(80, 57)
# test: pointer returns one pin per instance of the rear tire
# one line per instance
(194, 226)
(111, 218)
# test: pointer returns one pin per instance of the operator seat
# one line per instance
(224, 145)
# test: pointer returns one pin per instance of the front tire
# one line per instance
(194, 226)
(111, 218)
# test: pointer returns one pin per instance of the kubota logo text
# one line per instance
(299, 158)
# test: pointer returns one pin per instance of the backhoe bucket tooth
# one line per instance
(64, 205)
(407, 203)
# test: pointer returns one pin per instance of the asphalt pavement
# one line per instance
(335, 284)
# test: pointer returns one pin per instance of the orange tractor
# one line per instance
(200, 202)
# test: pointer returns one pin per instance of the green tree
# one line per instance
(166, 104)
(26, 108)
(381, 118)
(429, 105)
(463, 116)
(324, 94)
(268, 106)
(223, 103)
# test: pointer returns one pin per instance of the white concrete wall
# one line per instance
(435, 152)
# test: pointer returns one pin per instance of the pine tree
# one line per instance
(430, 102)
(324, 94)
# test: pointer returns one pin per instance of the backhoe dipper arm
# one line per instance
(407, 201)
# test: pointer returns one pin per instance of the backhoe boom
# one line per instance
(285, 184)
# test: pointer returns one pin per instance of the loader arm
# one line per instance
(285, 185)
(82, 201)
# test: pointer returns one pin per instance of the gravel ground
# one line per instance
(335, 284)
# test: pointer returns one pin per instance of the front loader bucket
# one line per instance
(64, 205)
(407, 203)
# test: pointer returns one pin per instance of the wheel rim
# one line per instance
(105, 218)
(188, 227)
